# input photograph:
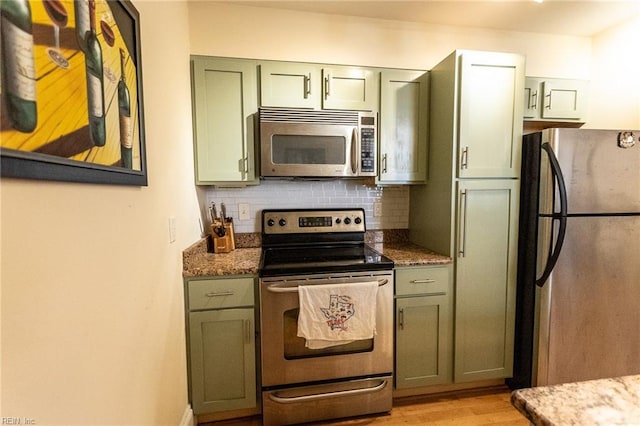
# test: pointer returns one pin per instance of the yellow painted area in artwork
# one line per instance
(61, 93)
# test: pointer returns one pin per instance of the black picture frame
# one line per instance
(35, 164)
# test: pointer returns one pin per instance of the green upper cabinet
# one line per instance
(555, 99)
(317, 86)
(290, 85)
(224, 101)
(490, 105)
(486, 252)
(351, 88)
(404, 102)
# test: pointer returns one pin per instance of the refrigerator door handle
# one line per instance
(554, 252)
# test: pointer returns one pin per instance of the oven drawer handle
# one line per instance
(275, 288)
(220, 293)
(314, 397)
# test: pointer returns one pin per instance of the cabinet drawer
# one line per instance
(422, 280)
(223, 293)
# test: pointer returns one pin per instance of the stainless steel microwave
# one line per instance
(312, 143)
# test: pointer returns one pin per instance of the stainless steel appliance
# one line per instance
(311, 143)
(306, 248)
(577, 313)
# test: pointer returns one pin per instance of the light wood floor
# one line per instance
(468, 408)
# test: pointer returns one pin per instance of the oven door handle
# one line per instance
(314, 397)
(277, 288)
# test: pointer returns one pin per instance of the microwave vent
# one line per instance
(279, 115)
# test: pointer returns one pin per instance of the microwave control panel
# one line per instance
(368, 143)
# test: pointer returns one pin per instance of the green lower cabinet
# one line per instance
(221, 344)
(423, 327)
(223, 363)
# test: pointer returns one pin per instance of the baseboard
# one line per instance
(187, 417)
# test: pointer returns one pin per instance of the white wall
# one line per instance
(92, 302)
(615, 84)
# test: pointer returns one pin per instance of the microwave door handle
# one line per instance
(354, 151)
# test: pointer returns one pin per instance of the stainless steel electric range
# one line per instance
(312, 247)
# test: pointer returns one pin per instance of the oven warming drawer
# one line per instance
(327, 401)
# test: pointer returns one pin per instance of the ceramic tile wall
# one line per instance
(273, 194)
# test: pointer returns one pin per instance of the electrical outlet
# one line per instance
(377, 209)
(243, 211)
(172, 229)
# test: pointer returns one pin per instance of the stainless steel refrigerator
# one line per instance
(578, 294)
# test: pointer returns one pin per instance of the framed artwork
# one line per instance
(71, 91)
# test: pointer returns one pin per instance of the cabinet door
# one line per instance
(225, 99)
(485, 279)
(350, 88)
(285, 84)
(222, 360)
(490, 131)
(404, 101)
(532, 97)
(423, 341)
(564, 99)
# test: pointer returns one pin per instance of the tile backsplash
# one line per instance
(275, 194)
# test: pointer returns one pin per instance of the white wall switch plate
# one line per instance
(172, 230)
(243, 211)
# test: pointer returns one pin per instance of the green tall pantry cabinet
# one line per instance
(469, 207)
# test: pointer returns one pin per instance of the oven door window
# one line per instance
(294, 346)
(308, 149)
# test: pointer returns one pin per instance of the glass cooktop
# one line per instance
(321, 259)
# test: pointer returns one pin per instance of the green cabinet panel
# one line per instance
(289, 84)
(490, 101)
(404, 102)
(221, 344)
(424, 325)
(485, 278)
(222, 360)
(224, 101)
(317, 86)
(555, 99)
(350, 88)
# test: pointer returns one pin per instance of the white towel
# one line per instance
(336, 314)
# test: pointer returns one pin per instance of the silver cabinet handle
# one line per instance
(220, 293)
(307, 85)
(548, 104)
(533, 100)
(327, 86)
(289, 400)
(384, 163)
(277, 288)
(425, 281)
(464, 158)
(462, 220)
(401, 319)
(247, 327)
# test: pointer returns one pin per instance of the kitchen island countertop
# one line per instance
(198, 261)
(614, 401)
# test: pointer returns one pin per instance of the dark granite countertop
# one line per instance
(245, 259)
(603, 402)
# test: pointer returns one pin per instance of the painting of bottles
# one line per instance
(70, 84)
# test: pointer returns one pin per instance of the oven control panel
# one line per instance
(312, 221)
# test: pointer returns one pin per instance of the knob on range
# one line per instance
(271, 222)
(347, 220)
(282, 222)
(358, 220)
